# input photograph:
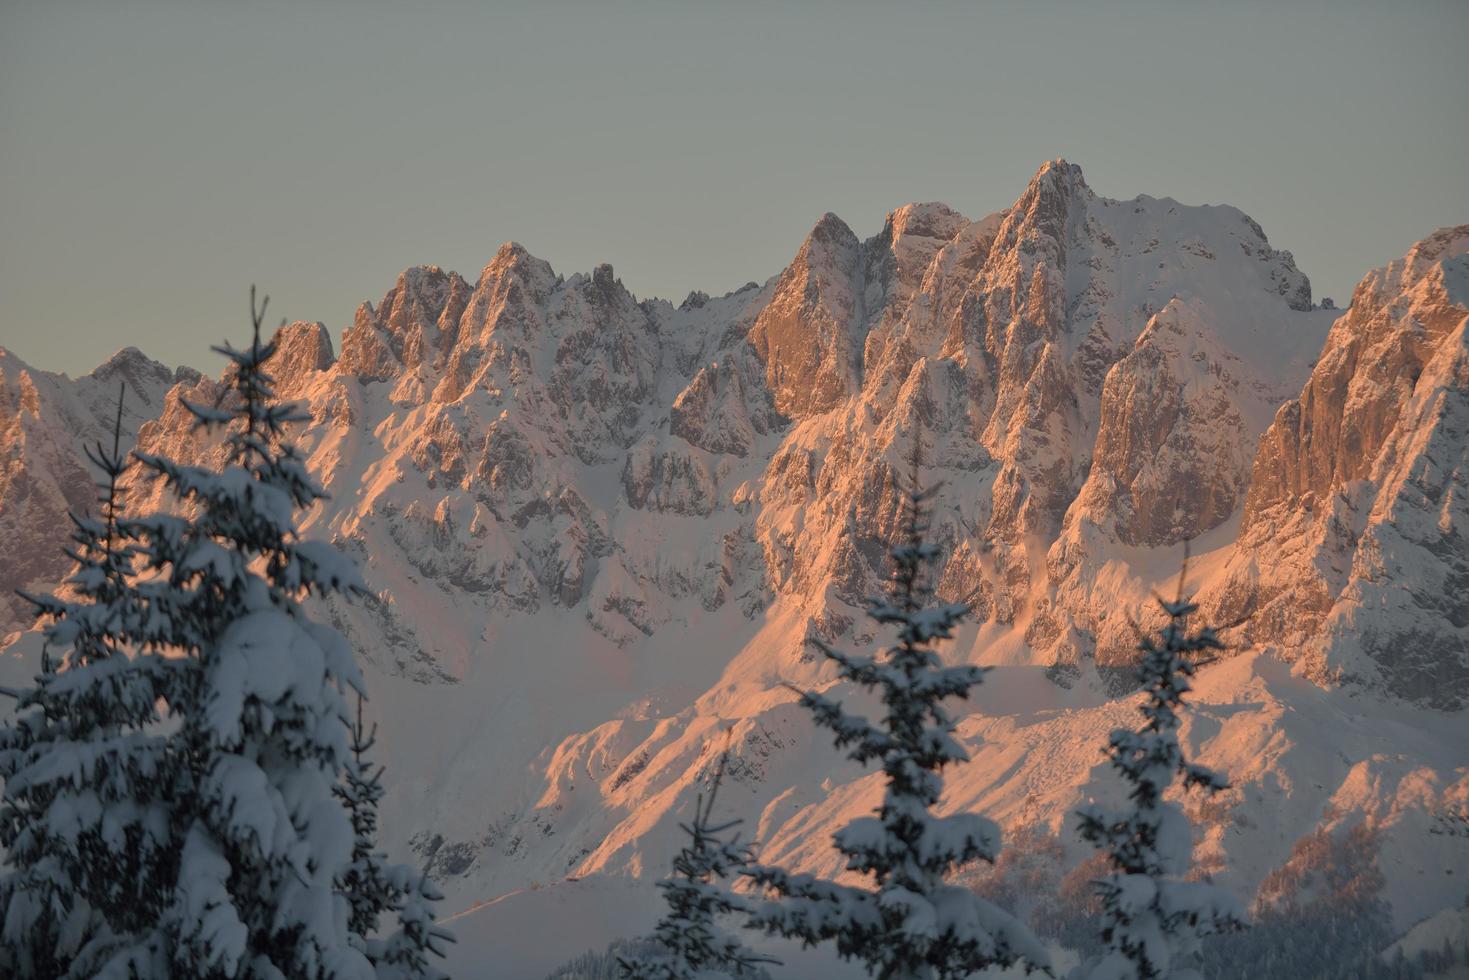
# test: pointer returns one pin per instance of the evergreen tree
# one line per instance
(85, 822)
(373, 887)
(691, 945)
(261, 721)
(912, 924)
(211, 842)
(409, 953)
(366, 881)
(1152, 918)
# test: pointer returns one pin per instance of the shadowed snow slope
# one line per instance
(600, 531)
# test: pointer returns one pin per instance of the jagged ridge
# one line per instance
(557, 490)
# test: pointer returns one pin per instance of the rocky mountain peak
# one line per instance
(913, 235)
(513, 261)
(45, 421)
(605, 291)
(830, 233)
(806, 335)
(1056, 173)
(1042, 211)
(1357, 518)
(416, 324)
(932, 220)
(17, 387)
(302, 350)
(423, 311)
(697, 299)
(1429, 277)
(510, 291)
(1374, 358)
(134, 367)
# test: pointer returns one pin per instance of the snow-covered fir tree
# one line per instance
(261, 719)
(412, 951)
(912, 924)
(374, 888)
(691, 945)
(366, 882)
(1153, 918)
(86, 819)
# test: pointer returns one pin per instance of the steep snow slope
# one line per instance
(600, 530)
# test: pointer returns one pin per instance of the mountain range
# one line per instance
(600, 531)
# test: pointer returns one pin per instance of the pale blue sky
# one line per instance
(158, 157)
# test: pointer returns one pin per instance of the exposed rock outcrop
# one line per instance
(1353, 554)
(46, 420)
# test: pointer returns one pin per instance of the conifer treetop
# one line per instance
(912, 923)
(264, 839)
(1153, 918)
(692, 946)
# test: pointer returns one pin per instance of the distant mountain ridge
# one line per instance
(600, 530)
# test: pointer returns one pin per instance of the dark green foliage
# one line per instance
(1153, 913)
(85, 822)
(912, 922)
(690, 942)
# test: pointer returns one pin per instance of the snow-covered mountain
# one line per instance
(1354, 546)
(601, 530)
(46, 420)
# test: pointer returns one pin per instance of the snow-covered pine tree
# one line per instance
(691, 944)
(1153, 919)
(373, 887)
(410, 952)
(262, 722)
(85, 821)
(912, 924)
(365, 883)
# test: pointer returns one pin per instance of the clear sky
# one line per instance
(156, 158)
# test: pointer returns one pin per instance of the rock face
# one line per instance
(808, 334)
(1354, 548)
(1171, 454)
(46, 420)
(415, 324)
(1084, 373)
(575, 506)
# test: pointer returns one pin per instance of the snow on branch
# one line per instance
(1153, 919)
(910, 923)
